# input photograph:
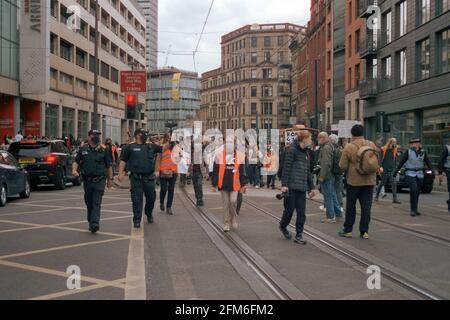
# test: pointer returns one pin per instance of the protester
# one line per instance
(388, 164)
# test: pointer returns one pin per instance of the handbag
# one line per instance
(166, 174)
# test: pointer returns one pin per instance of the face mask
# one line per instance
(95, 139)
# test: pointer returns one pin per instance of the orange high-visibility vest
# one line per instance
(394, 152)
(167, 163)
(113, 150)
(236, 176)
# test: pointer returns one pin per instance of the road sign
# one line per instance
(345, 127)
(133, 81)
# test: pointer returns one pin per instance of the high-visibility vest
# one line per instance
(236, 176)
(167, 163)
(113, 151)
(394, 152)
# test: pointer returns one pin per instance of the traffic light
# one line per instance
(131, 106)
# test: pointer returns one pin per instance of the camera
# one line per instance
(282, 195)
(316, 169)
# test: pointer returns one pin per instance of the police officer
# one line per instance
(138, 158)
(95, 163)
(414, 161)
(444, 166)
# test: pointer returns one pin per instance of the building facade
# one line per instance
(411, 83)
(57, 98)
(173, 95)
(252, 88)
(150, 9)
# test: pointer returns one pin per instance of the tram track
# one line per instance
(264, 280)
(413, 284)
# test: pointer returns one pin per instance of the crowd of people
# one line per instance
(357, 170)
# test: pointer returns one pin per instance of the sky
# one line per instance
(181, 21)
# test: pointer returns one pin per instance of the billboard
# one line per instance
(176, 86)
(34, 46)
(133, 81)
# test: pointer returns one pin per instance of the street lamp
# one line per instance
(95, 112)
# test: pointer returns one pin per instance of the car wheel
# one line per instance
(60, 180)
(427, 189)
(3, 196)
(26, 193)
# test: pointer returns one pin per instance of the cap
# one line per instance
(94, 132)
(415, 140)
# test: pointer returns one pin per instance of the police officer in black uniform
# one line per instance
(95, 163)
(138, 158)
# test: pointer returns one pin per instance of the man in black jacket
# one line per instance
(296, 181)
(444, 166)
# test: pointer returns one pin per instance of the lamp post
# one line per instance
(95, 111)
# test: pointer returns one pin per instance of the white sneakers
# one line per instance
(226, 227)
(322, 208)
(329, 220)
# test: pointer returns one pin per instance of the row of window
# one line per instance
(266, 108)
(226, 95)
(239, 59)
(9, 39)
(241, 44)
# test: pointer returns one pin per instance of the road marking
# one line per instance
(78, 291)
(21, 254)
(135, 282)
(28, 212)
(62, 274)
(19, 229)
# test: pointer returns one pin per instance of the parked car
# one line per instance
(47, 161)
(14, 178)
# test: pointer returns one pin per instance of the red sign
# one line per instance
(133, 81)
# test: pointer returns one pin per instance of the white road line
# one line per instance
(135, 284)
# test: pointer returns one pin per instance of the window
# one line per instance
(266, 56)
(64, 14)
(350, 45)
(253, 109)
(350, 83)
(388, 27)
(65, 50)
(401, 69)
(267, 42)
(254, 57)
(92, 64)
(53, 74)
(254, 42)
(350, 12)
(423, 57)
(444, 51)
(280, 57)
(81, 84)
(253, 73)
(81, 58)
(328, 60)
(444, 5)
(357, 35)
(328, 88)
(53, 43)
(386, 73)
(65, 78)
(267, 91)
(402, 18)
(83, 28)
(280, 40)
(267, 74)
(54, 8)
(267, 108)
(329, 31)
(114, 75)
(357, 73)
(423, 13)
(254, 92)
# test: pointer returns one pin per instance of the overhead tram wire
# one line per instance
(201, 34)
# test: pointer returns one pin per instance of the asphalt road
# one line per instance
(174, 258)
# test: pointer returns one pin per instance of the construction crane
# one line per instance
(167, 55)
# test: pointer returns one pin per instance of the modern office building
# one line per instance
(150, 9)
(173, 95)
(408, 71)
(252, 88)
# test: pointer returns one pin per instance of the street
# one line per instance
(184, 256)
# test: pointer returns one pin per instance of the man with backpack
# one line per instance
(326, 179)
(360, 160)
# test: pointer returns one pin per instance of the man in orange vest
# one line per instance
(229, 177)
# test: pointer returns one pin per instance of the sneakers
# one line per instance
(322, 208)
(418, 213)
(285, 233)
(161, 206)
(413, 214)
(137, 225)
(299, 239)
(149, 219)
(396, 202)
(257, 187)
(327, 220)
(169, 211)
(234, 224)
(345, 234)
(365, 236)
(200, 203)
(226, 227)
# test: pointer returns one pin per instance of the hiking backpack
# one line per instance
(367, 161)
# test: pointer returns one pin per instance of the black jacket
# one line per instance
(296, 169)
(443, 160)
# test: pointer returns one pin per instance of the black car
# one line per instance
(47, 162)
(14, 179)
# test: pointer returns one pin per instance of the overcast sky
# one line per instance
(181, 21)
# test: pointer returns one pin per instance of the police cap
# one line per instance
(91, 132)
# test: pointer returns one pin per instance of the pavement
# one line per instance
(45, 237)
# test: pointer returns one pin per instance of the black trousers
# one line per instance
(140, 186)
(93, 194)
(364, 196)
(388, 176)
(167, 187)
(448, 187)
(415, 186)
(240, 198)
(197, 180)
(296, 201)
(271, 180)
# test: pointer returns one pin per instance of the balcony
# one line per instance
(368, 89)
(364, 6)
(368, 46)
(386, 83)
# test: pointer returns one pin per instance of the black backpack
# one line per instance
(335, 169)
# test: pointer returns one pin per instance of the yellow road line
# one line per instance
(135, 284)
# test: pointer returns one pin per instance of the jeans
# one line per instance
(387, 176)
(447, 173)
(141, 185)
(93, 194)
(167, 186)
(255, 174)
(229, 205)
(339, 188)
(364, 195)
(197, 180)
(331, 203)
(415, 186)
(183, 179)
(296, 201)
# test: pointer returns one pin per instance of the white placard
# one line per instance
(289, 137)
(345, 127)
